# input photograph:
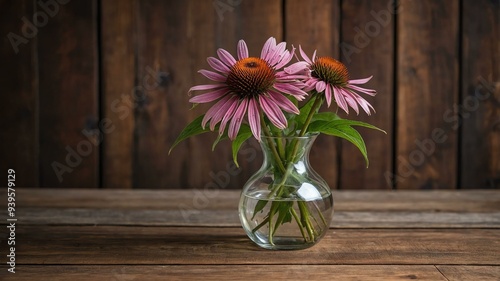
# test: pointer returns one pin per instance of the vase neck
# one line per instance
(286, 150)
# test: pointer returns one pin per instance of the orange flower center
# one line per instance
(250, 77)
(330, 70)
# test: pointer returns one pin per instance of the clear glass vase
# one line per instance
(286, 205)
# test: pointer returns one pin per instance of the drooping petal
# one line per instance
(235, 124)
(351, 101)
(369, 92)
(218, 65)
(207, 87)
(290, 89)
(217, 117)
(297, 67)
(304, 56)
(328, 94)
(226, 57)
(242, 50)
(213, 110)
(209, 97)
(254, 118)
(228, 114)
(363, 103)
(320, 86)
(339, 98)
(273, 112)
(283, 102)
(213, 75)
(360, 81)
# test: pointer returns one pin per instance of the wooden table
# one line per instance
(195, 235)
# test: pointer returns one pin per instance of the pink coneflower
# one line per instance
(330, 76)
(252, 85)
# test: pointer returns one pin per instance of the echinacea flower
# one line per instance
(249, 86)
(330, 76)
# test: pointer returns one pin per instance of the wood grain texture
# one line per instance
(474, 201)
(118, 42)
(182, 216)
(427, 86)
(68, 89)
(233, 272)
(19, 106)
(367, 48)
(469, 273)
(72, 245)
(316, 26)
(480, 104)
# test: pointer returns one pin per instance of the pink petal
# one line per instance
(297, 67)
(288, 56)
(283, 102)
(304, 56)
(268, 46)
(320, 86)
(228, 114)
(273, 112)
(328, 95)
(226, 57)
(206, 87)
(363, 103)
(209, 97)
(213, 75)
(360, 81)
(242, 50)
(217, 117)
(369, 92)
(314, 56)
(235, 124)
(213, 110)
(351, 100)
(278, 54)
(218, 65)
(289, 89)
(254, 118)
(339, 98)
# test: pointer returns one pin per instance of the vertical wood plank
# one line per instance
(67, 49)
(118, 41)
(197, 27)
(316, 26)
(480, 104)
(18, 125)
(427, 87)
(254, 22)
(367, 48)
(172, 36)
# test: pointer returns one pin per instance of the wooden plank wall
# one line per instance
(95, 92)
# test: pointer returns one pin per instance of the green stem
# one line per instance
(271, 144)
(301, 227)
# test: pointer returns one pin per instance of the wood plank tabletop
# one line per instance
(88, 234)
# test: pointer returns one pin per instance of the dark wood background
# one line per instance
(99, 89)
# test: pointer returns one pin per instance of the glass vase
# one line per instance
(286, 205)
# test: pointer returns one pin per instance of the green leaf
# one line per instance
(219, 139)
(325, 116)
(283, 214)
(243, 134)
(345, 132)
(259, 207)
(304, 111)
(319, 125)
(194, 128)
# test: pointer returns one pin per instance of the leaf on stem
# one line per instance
(259, 207)
(194, 128)
(243, 134)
